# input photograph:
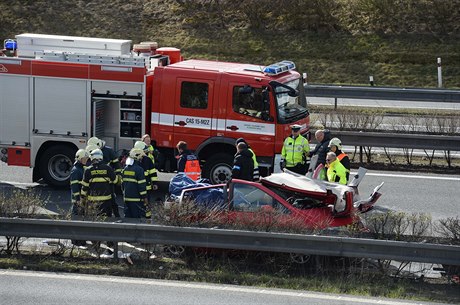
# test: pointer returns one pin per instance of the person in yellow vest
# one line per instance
(336, 172)
(187, 162)
(335, 145)
(295, 152)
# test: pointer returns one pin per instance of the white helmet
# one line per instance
(91, 147)
(96, 155)
(96, 141)
(80, 154)
(136, 154)
(336, 142)
(141, 145)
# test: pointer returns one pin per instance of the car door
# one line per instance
(192, 119)
(247, 117)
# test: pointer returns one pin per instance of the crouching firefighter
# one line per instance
(134, 186)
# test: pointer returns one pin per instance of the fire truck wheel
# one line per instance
(218, 168)
(55, 165)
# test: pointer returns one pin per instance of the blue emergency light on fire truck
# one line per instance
(58, 91)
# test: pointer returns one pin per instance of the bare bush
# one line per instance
(449, 228)
(387, 224)
(19, 203)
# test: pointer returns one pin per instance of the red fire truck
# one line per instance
(57, 91)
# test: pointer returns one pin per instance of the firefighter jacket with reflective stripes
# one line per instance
(345, 160)
(76, 177)
(134, 183)
(295, 151)
(111, 159)
(151, 175)
(336, 172)
(98, 181)
(151, 155)
(256, 174)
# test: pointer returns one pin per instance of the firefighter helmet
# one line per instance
(91, 147)
(136, 153)
(96, 154)
(80, 154)
(141, 145)
(336, 142)
(95, 141)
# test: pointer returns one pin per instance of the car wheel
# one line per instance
(55, 165)
(218, 168)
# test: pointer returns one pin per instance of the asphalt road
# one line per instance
(432, 194)
(28, 287)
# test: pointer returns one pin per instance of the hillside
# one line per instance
(336, 41)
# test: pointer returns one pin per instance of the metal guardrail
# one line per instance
(383, 93)
(398, 140)
(230, 239)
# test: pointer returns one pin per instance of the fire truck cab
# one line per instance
(210, 104)
(58, 91)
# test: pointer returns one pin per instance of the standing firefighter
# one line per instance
(256, 175)
(134, 186)
(335, 145)
(109, 158)
(151, 175)
(76, 178)
(187, 162)
(295, 152)
(97, 185)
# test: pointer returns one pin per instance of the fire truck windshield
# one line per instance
(290, 100)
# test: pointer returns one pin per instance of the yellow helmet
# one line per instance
(136, 154)
(80, 154)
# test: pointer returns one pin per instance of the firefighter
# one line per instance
(187, 162)
(109, 158)
(97, 185)
(152, 151)
(150, 173)
(256, 175)
(76, 177)
(243, 164)
(336, 172)
(134, 186)
(335, 145)
(295, 152)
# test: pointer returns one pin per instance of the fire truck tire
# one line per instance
(55, 165)
(218, 168)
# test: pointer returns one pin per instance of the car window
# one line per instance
(249, 198)
(194, 95)
(249, 104)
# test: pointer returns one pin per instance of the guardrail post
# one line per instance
(361, 155)
(335, 103)
(439, 73)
